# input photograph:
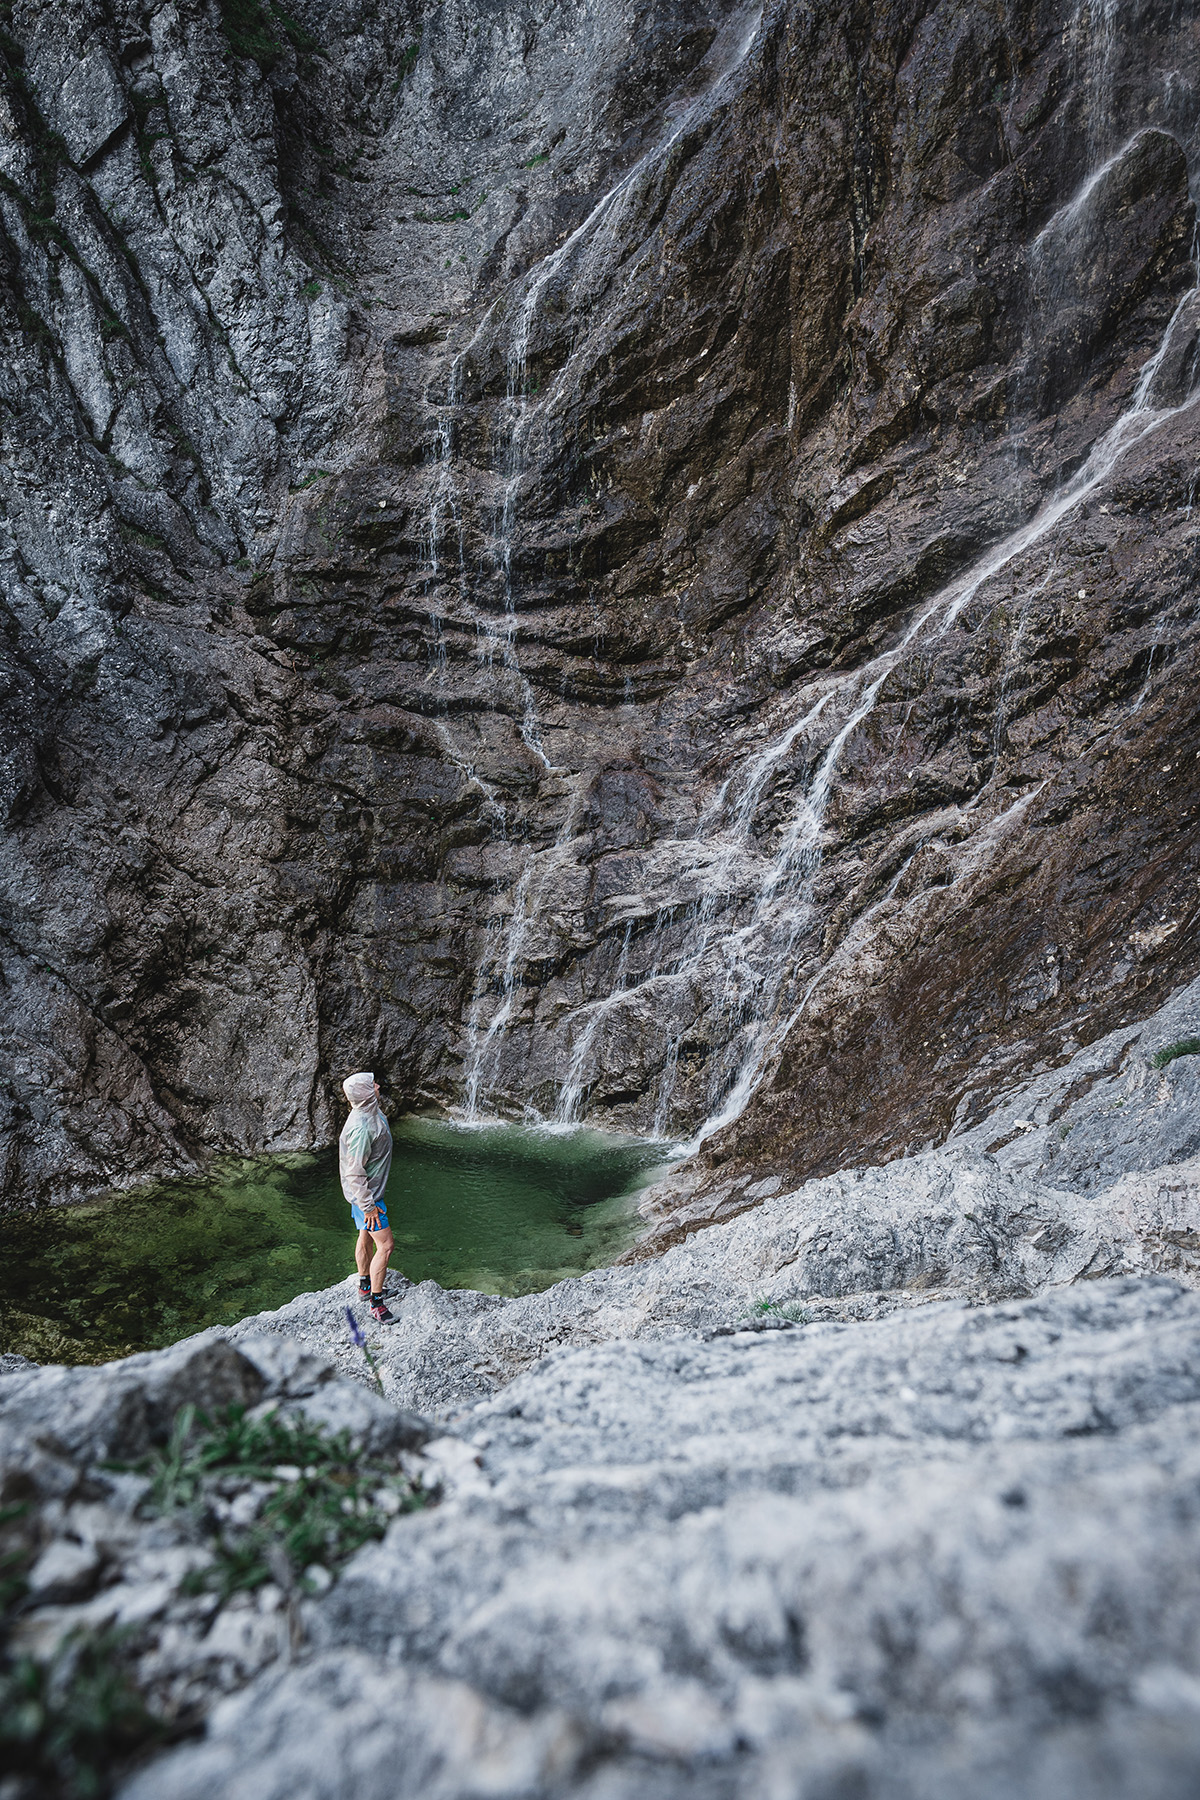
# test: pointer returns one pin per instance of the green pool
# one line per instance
(502, 1209)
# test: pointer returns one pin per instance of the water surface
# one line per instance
(500, 1208)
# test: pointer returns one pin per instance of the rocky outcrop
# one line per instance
(883, 1486)
(160, 1544)
(1086, 1172)
(633, 562)
(1125, 1106)
(950, 1548)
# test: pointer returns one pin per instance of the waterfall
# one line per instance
(794, 869)
(507, 944)
(723, 931)
(748, 969)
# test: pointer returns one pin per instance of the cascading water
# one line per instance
(725, 930)
(749, 971)
(507, 941)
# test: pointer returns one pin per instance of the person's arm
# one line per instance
(355, 1185)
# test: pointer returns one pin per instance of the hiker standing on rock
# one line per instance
(364, 1158)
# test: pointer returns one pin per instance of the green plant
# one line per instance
(1187, 1046)
(14, 1553)
(311, 289)
(68, 1723)
(789, 1312)
(407, 58)
(149, 540)
(257, 31)
(358, 1339)
(317, 475)
(535, 162)
(318, 1498)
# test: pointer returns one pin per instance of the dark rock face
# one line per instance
(636, 563)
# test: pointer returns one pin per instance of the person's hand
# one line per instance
(371, 1215)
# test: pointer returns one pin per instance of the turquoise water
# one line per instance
(501, 1209)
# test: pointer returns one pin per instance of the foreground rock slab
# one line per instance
(151, 1530)
(951, 1551)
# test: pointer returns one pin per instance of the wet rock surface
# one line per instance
(589, 561)
(1124, 1105)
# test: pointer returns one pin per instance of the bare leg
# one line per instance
(383, 1249)
(362, 1252)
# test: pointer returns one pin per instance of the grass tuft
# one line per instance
(788, 1312)
(407, 60)
(68, 1724)
(1188, 1046)
(311, 1498)
(257, 31)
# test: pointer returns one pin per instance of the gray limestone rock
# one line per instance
(535, 544)
(951, 1223)
(950, 1551)
(89, 1414)
(885, 1486)
(128, 1562)
(472, 477)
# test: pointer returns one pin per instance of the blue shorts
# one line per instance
(361, 1222)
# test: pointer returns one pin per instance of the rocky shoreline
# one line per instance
(885, 1487)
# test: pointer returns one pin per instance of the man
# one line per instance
(364, 1158)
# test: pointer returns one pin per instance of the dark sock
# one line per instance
(375, 1297)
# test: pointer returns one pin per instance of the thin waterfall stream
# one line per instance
(733, 936)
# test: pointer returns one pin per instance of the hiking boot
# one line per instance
(379, 1310)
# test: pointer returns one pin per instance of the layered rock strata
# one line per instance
(628, 562)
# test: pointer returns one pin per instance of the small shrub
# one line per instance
(1188, 1046)
(68, 1724)
(311, 290)
(788, 1312)
(535, 162)
(320, 1499)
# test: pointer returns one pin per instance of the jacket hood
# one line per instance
(360, 1089)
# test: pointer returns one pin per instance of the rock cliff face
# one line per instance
(624, 560)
